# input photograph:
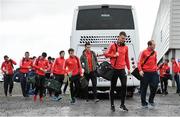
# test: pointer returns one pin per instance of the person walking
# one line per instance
(41, 66)
(7, 69)
(25, 67)
(89, 64)
(119, 59)
(176, 70)
(164, 70)
(59, 72)
(149, 74)
(74, 71)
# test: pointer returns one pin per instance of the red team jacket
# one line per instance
(58, 66)
(8, 66)
(122, 59)
(72, 64)
(89, 60)
(162, 69)
(175, 67)
(50, 64)
(41, 63)
(25, 64)
(151, 64)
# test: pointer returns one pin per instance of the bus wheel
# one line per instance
(130, 91)
(130, 94)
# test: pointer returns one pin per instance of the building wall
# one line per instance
(161, 32)
(175, 24)
(166, 32)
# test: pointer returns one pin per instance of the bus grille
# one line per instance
(102, 39)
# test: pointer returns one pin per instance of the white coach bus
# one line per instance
(100, 25)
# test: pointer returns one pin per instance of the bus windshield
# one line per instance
(105, 18)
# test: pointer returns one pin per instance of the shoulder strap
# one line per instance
(116, 51)
(148, 58)
(161, 66)
(77, 61)
(11, 63)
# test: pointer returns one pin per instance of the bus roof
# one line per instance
(104, 6)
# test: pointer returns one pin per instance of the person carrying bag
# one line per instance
(149, 75)
(135, 72)
(73, 66)
(119, 59)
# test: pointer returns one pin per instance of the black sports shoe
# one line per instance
(112, 108)
(166, 93)
(26, 95)
(123, 107)
(72, 101)
(96, 100)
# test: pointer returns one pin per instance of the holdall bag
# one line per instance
(53, 85)
(83, 83)
(16, 76)
(135, 72)
(16, 79)
(169, 77)
(31, 79)
(105, 69)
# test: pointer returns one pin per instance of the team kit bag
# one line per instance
(83, 82)
(105, 69)
(53, 85)
(31, 77)
(16, 76)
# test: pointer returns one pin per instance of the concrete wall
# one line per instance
(175, 24)
(166, 31)
(162, 28)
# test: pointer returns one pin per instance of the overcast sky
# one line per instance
(45, 25)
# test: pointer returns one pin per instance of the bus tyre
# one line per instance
(130, 91)
(130, 94)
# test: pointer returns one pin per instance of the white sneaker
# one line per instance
(96, 100)
(144, 107)
(152, 105)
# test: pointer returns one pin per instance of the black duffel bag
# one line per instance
(169, 76)
(105, 70)
(17, 76)
(53, 85)
(83, 83)
(135, 72)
